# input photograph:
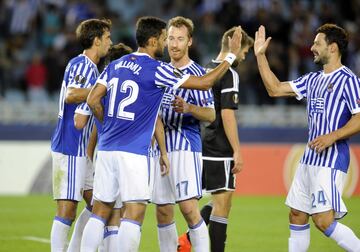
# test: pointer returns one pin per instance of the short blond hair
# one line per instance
(246, 40)
(182, 21)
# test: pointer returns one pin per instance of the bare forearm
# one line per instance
(92, 143)
(206, 81)
(231, 129)
(201, 113)
(271, 82)
(351, 128)
(98, 110)
(76, 95)
(160, 136)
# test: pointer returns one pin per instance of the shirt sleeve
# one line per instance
(103, 78)
(83, 109)
(352, 94)
(203, 98)
(299, 86)
(167, 76)
(80, 76)
(230, 90)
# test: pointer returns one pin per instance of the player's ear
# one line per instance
(97, 41)
(153, 42)
(190, 42)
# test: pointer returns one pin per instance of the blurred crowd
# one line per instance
(37, 37)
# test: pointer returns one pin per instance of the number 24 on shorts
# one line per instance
(320, 199)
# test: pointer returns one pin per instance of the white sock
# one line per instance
(199, 237)
(93, 234)
(299, 240)
(344, 236)
(75, 241)
(111, 242)
(59, 234)
(168, 237)
(129, 235)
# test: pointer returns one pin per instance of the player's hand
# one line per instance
(261, 42)
(235, 41)
(320, 143)
(180, 105)
(238, 162)
(164, 165)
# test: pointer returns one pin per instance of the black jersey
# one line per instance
(226, 96)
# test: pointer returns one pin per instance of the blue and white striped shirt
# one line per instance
(332, 99)
(80, 72)
(182, 131)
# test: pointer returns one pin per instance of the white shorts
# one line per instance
(317, 189)
(183, 181)
(71, 176)
(121, 176)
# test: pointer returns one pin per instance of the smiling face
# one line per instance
(320, 49)
(178, 42)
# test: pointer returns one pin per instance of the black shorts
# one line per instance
(217, 175)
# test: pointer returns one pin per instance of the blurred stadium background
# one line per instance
(37, 39)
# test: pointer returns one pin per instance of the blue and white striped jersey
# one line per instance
(80, 72)
(135, 87)
(331, 101)
(182, 131)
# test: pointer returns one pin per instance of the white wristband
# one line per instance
(230, 57)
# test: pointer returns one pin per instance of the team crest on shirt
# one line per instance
(330, 87)
(132, 58)
(80, 79)
(235, 98)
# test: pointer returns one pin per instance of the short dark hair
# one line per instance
(246, 40)
(335, 34)
(90, 29)
(116, 52)
(182, 21)
(148, 27)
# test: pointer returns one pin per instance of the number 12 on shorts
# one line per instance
(182, 188)
(320, 199)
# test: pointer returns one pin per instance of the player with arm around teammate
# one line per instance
(68, 144)
(222, 158)
(134, 87)
(183, 142)
(333, 108)
(81, 118)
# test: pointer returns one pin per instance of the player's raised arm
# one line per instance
(274, 87)
(206, 81)
(94, 101)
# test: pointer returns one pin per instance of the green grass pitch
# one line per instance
(255, 224)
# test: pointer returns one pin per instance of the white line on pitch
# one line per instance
(37, 239)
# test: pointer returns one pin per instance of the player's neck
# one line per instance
(181, 62)
(92, 55)
(332, 65)
(146, 50)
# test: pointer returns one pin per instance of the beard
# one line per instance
(159, 53)
(321, 60)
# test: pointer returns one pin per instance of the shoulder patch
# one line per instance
(235, 98)
(80, 79)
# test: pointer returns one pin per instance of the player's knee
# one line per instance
(298, 217)
(164, 214)
(322, 222)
